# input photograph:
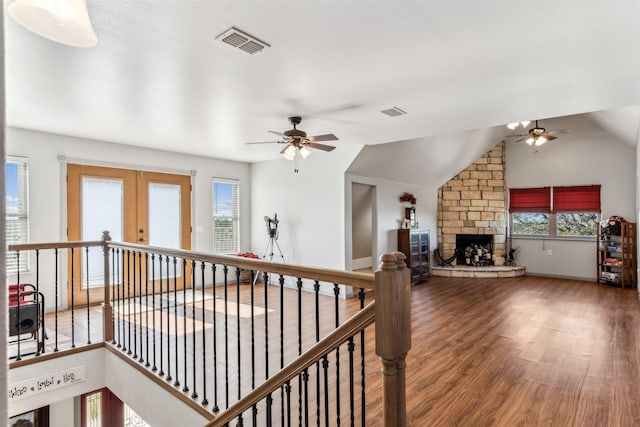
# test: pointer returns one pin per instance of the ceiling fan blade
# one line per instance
(517, 136)
(264, 142)
(277, 133)
(553, 132)
(327, 137)
(322, 147)
(522, 139)
(551, 138)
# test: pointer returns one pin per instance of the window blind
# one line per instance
(584, 198)
(226, 216)
(17, 211)
(530, 200)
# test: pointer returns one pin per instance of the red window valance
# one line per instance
(585, 198)
(530, 199)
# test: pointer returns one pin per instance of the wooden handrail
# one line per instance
(55, 245)
(351, 327)
(349, 278)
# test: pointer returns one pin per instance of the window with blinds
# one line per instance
(555, 211)
(17, 208)
(226, 218)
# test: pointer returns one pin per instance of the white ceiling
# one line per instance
(159, 78)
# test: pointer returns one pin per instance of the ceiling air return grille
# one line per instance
(394, 112)
(242, 40)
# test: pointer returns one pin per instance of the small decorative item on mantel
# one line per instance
(410, 213)
(245, 275)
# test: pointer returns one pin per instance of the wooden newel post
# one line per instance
(107, 308)
(393, 334)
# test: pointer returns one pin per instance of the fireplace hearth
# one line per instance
(474, 249)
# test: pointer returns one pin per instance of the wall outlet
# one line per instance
(549, 252)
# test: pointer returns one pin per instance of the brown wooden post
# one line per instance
(393, 334)
(107, 308)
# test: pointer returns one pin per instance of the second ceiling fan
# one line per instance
(536, 136)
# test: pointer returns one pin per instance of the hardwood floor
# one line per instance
(524, 351)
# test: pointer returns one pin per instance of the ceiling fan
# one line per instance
(298, 143)
(536, 136)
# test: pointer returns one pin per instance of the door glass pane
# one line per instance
(164, 217)
(102, 209)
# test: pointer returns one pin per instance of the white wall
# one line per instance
(47, 188)
(310, 206)
(579, 158)
(388, 212)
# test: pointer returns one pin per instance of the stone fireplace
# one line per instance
(474, 203)
(474, 249)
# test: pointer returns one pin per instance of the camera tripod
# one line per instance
(273, 242)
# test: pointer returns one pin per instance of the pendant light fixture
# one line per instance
(63, 21)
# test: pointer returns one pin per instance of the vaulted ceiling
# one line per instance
(159, 78)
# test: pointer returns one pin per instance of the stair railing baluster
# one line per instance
(215, 407)
(114, 284)
(268, 409)
(184, 324)
(88, 296)
(55, 285)
(362, 367)
(336, 292)
(283, 389)
(351, 348)
(134, 303)
(146, 307)
(238, 349)
(128, 299)
(316, 294)
(299, 303)
(204, 402)
(161, 319)
(39, 316)
(254, 408)
(168, 280)
(18, 296)
(194, 394)
(119, 289)
(176, 383)
(154, 368)
(73, 301)
(226, 334)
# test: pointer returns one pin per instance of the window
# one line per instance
(17, 206)
(555, 212)
(226, 221)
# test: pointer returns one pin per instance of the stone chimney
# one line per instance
(474, 202)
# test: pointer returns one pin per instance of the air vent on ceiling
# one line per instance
(242, 40)
(394, 112)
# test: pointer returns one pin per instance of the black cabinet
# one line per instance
(414, 244)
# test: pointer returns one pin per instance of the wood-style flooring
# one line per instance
(524, 351)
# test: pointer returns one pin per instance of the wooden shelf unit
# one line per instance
(617, 262)
(414, 244)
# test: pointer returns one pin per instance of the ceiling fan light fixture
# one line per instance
(540, 140)
(63, 21)
(529, 140)
(290, 152)
(304, 152)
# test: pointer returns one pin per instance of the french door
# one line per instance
(141, 207)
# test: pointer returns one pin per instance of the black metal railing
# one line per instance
(214, 337)
(36, 328)
(215, 328)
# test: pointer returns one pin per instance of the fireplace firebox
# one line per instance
(474, 249)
